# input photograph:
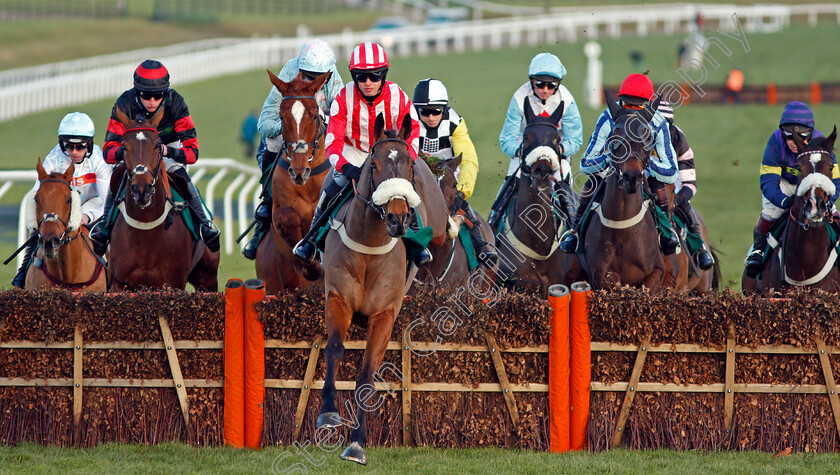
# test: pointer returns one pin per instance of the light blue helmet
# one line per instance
(316, 56)
(546, 64)
(76, 124)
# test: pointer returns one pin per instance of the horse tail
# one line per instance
(716, 275)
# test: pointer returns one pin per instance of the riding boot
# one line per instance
(263, 211)
(250, 249)
(485, 251)
(20, 278)
(667, 244)
(305, 250)
(100, 233)
(423, 257)
(569, 240)
(702, 257)
(755, 256)
(497, 209)
(564, 200)
(208, 231)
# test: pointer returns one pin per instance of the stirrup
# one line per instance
(422, 258)
(488, 256)
(305, 251)
(569, 242)
(210, 235)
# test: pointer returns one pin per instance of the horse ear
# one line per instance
(455, 162)
(379, 128)
(612, 103)
(829, 142)
(558, 113)
(319, 82)
(529, 113)
(42, 174)
(280, 85)
(124, 120)
(155, 120)
(405, 128)
(650, 109)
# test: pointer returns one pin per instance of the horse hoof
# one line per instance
(328, 419)
(355, 453)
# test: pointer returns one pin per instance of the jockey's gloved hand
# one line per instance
(119, 153)
(460, 200)
(787, 202)
(682, 197)
(352, 172)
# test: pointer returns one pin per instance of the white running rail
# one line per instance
(234, 222)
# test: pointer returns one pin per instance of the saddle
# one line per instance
(777, 231)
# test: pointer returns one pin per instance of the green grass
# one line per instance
(179, 458)
(728, 140)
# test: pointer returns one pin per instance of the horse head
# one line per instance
(389, 172)
(541, 148)
(303, 127)
(630, 142)
(815, 187)
(57, 209)
(444, 170)
(143, 159)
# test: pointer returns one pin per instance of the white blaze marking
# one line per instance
(815, 159)
(140, 136)
(297, 114)
(393, 155)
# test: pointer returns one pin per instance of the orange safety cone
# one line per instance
(580, 367)
(558, 369)
(254, 364)
(234, 392)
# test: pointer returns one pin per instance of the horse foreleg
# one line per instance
(288, 223)
(653, 281)
(337, 317)
(367, 397)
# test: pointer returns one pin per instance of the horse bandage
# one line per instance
(396, 188)
(816, 180)
(543, 152)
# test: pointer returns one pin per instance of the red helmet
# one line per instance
(368, 56)
(636, 85)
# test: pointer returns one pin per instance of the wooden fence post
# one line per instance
(831, 387)
(503, 379)
(728, 387)
(78, 382)
(406, 397)
(175, 367)
(306, 386)
(631, 391)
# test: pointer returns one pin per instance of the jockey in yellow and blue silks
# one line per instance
(545, 94)
(778, 184)
(316, 57)
(636, 92)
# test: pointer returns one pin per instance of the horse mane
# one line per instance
(391, 134)
(818, 143)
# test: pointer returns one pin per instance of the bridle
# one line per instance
(143, 169)
(379, 209)
(527, 170)
(643, 158)
(806, 224)
(51, 217)
(298, 147)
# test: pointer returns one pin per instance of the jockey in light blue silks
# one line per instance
(316, 57)
(636, 92)
(545, 94)
(778, 176)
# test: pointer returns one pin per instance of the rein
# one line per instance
(379, 209)
(53, 217)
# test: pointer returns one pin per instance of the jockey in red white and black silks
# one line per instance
(351, 129)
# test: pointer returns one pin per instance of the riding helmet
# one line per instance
(636, 89)
(76, 127)
(151, 76)
(316, 56)
(368, 57)
(430, 92)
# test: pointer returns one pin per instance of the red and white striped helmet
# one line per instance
(368, 56)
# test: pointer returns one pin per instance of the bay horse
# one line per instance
(300, 171)
(150, 244)
(805, 255)
(527, 243)
(65, 257)
(621, 244)
(364, 264)
(450, 265)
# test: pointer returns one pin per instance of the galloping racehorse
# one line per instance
(450, 265)
(528, 240)
(621, 243)
(150, 244)
(365, 265)
(65, 256)
(805, 256)
(300, 170)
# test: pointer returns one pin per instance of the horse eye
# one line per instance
(36, 199)
(69, 200)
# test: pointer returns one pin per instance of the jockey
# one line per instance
(687, 184)
(544, 92)
(350, 132)
(179, 145)
(91, 174)
(443, 134)
(635, 93)
(315, 58)
(778, 176)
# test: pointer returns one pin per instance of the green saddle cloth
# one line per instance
(466, 241)
(415, 241)
(781, 224)
(190, 220)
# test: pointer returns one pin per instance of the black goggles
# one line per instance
(75, 146)
(368, 76)
(427, 111)
(148, 95)
(805, 135)
(545, 84)
(309, 75)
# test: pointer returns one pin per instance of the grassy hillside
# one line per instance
(728, 140)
